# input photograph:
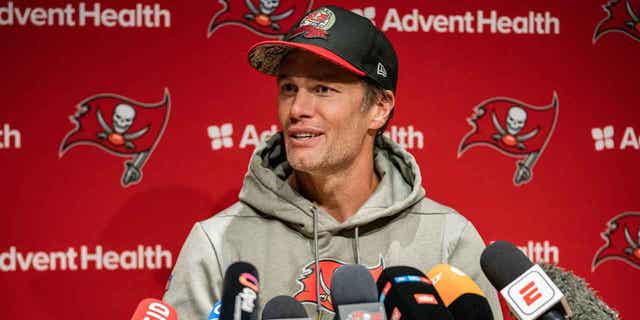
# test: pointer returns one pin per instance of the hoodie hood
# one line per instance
(266, 189)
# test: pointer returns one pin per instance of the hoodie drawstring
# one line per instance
(317, 258)
(356, 245)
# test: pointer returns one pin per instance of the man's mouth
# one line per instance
(304, 136)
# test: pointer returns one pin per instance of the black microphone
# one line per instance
(284, 307)
(460, 294)
(354, 295)
(526, 288)
(240, 292)
(408, 294)
(584, 302)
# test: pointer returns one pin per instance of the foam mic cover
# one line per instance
(502, 263)
(353, 285)
(584, 302)
(460, 294)
(154, 309)
(283, 307)
(240, 292)
(408, 294)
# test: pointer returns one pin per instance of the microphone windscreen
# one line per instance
(502, 263)
(408, 294)
(240, 292)
(352, 284)
(154, 309)
(460, 294)
(584, 302)
(283, 307)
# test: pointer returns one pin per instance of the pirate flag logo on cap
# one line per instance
(623, 16)
(119, 126)
(269, 18)
(513, 128)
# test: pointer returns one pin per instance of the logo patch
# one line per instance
(316, 24)
(622, 241)
(309, 276)
(623, 16)
(425, 298)
(120, 126)
(513, 128)
(268, 18)
(382, 71)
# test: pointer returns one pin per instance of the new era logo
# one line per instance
(603, 138)
(381, 70)
(221, 136)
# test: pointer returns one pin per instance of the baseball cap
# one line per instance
(338, 35)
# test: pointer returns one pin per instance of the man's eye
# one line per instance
(322, 89)
(287, 88)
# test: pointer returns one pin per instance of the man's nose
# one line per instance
(302, 105)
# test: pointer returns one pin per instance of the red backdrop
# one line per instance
(58, 208)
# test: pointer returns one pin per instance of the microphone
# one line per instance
(354, 295)
(526, 288)
(585, 303)
(154, 309)
(460, 294)
(284, 307)
(240, 292)
(408, 294)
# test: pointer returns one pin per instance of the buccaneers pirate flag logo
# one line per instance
(309, 279)
(119, 126)
(622, 241)
(268, 18)
(513, 128)
(623, 16)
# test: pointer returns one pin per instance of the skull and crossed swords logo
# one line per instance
(263, 16)
(134, 131)
(123, 117)
(524, 134)
(516, 120)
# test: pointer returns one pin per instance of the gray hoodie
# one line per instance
(288, 237)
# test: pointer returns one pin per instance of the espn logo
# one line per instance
(531, 294)
(425, 298)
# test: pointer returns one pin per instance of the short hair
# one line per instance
(373, 92)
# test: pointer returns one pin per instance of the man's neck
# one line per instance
(342, 193)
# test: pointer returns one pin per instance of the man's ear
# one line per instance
(381, 109)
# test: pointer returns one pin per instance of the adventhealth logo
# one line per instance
(222, 136)
(604, 139)
(10, 138)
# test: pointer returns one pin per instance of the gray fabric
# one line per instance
(273, 228)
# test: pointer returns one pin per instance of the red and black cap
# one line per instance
(340, 36)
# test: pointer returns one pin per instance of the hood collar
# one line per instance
(266, 189)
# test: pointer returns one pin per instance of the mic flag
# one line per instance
(513, 128)
(268, 18)
(154, 309)
(460, 294)
(120, 126)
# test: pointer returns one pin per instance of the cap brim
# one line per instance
(266, 56)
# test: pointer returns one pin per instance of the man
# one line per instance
(329, 189)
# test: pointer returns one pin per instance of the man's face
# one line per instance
(320, 109)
